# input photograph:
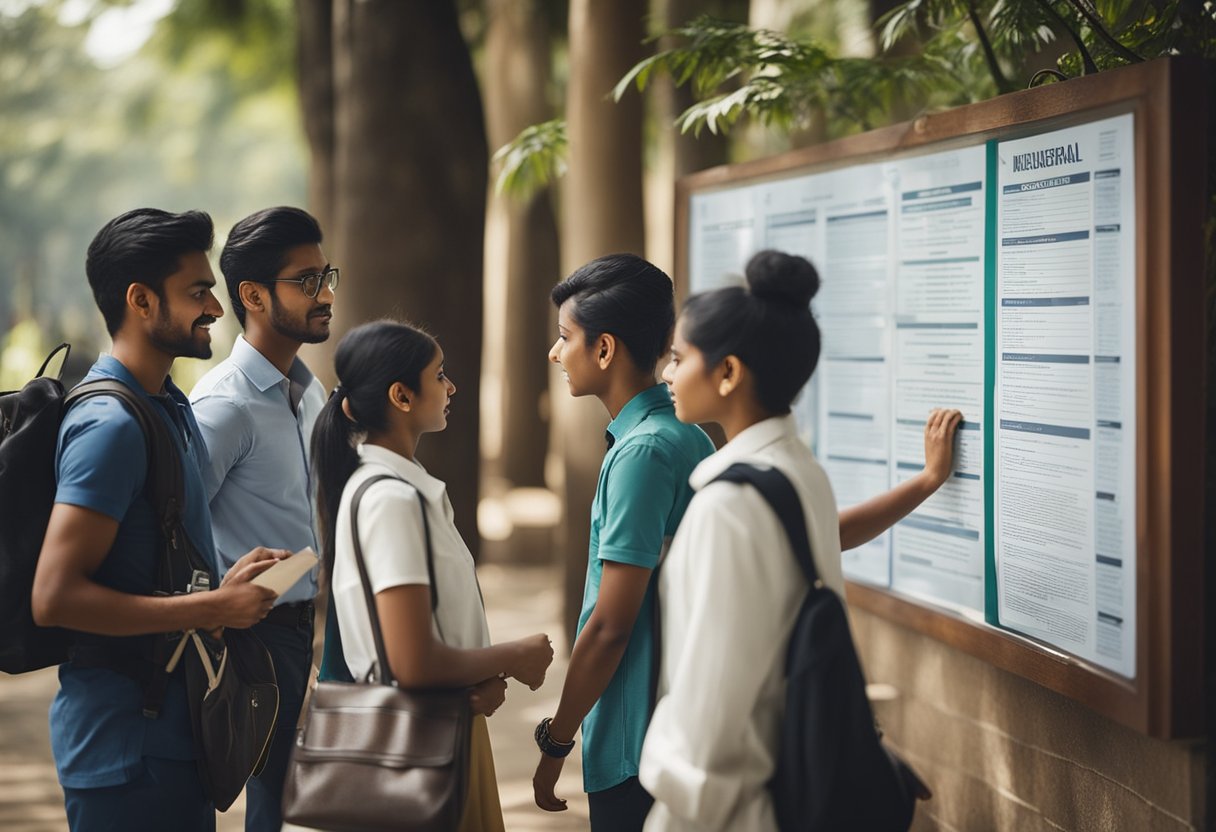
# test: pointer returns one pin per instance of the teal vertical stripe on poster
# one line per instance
(991, 608)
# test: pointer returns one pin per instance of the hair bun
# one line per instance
(777, 277)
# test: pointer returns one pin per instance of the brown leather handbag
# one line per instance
(373, 756)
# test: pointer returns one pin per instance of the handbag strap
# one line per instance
(385, 672)
(779, 493)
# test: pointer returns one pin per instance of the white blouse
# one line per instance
(730, 590)
(390, 530)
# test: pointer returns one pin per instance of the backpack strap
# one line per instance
(165, 487)
(385, 672)
(779, 493)
(656, 627)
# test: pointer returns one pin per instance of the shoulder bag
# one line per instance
(374, 756)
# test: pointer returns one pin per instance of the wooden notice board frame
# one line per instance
(1169, 100)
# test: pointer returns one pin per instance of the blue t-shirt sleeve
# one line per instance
(102, 458)
(639, 494)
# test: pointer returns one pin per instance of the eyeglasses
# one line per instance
(310, 284)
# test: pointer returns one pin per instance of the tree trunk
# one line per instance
(315, 82)
(409, 202)
(521, 249)
(315, 73)
(678, 154)
(691, 152)
(603, 214)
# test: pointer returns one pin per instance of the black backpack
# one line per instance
(833, 770)
(28, 436)
(29, 429)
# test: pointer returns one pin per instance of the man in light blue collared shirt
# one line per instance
(256, 410)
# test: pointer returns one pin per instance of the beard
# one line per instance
(307, 329)
(190, 344)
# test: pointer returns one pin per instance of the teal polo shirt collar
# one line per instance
(636, 410)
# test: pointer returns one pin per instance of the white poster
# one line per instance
(792, 218)
(1065, 390)
(938, 550)
(907, 298)
(855, 313)
(722, 236)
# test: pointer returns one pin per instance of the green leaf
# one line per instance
(639, 73)
(532, 160)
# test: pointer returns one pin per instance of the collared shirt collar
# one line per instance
(260, 372)
(410, 471)
(746, 444)
(108, 366)
(636, 410)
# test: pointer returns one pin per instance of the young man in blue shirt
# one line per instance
(615, 317)
(256, 410)
(96, 573)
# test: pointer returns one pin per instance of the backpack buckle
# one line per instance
(200, 581)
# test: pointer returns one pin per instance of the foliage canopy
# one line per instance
(934, 54)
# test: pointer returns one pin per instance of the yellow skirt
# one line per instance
(482, 810)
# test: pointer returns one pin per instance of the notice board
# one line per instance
(1035, 261)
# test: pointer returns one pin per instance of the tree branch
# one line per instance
(1096, 23)
(1002, 83)
(1087, 60)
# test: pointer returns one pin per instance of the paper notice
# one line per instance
(284, 574)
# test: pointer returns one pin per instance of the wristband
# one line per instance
(549, 746)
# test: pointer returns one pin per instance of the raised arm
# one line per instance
(862, 523)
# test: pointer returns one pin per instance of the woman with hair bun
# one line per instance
(393, 389)
(730, 586)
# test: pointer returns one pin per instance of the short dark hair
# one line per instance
(625, 296)
(141, 246)
(768, 325)
(257, 247)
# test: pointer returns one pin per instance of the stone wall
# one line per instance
(1002, 753)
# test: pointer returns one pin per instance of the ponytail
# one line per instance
(334, 459)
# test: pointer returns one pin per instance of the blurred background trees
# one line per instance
(381, 116)
(98, 116)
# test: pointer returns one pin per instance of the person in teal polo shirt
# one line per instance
(615, 318)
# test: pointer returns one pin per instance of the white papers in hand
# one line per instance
(284, 574)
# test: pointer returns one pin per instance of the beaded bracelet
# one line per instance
(549, 746)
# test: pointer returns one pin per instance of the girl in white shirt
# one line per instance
(730, 586)
(393, 389)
